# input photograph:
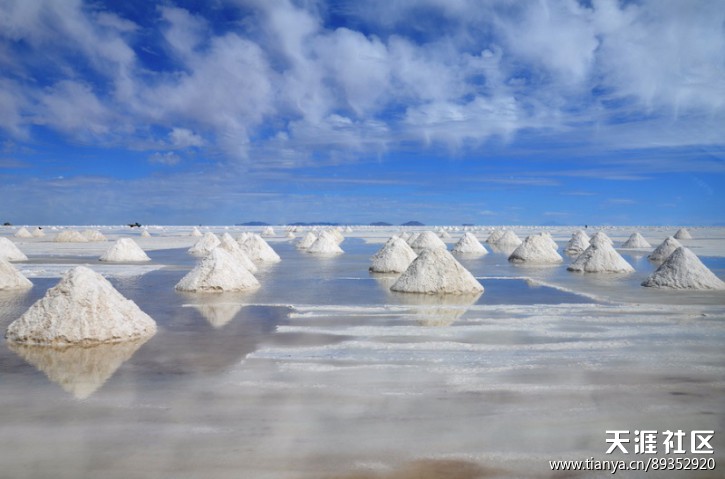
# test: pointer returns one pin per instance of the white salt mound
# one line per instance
(665, 249)
(325, 244)
(11, 279)
(394, 257)
(412, 238)
(83, 308)
(307, 240)
(444, 235)
(123, 250)
(577, 244)
(268, 232)
(683, 270)
(94, 235)
(600, 258)
(508, 238)
(337, 235)
(258, 250)
(436, 271)
(536, 249)
(38, 232)
(207, 243)
(10, 252)
(428, 240)
(145, 234)
(232, 247)
(195, 232)
(23, 233)
(683, 234)
(70, 236)
(601, 237)
(636, 241)
(290, 235)
(218, 272)
(469, 244)
(495, 236)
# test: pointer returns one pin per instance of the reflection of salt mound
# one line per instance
(508, 238)
(636, 241)
(665, 249)
(79, 370)
(70, 236)
(83, 308)
(469, 244)
(577, 244)
(437, 310)
(428, 240)
(683, 270)
(601, 237)
(23, 233)
(207, 243)
(94, 235)
(495, 236)
(232, 247)
(683, 234)
(394, 257)
(38, 232)
(268, 232)
(436, 271)
(10, 252)
(12, 279)
(195, 232)
(145, 234)
(536, 249)
(220, 309)
(600, 258)
(216, 273)
(307, 240)
(258, 250)
(125, 249)
(325, 244)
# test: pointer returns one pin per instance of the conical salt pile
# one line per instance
(94, 235)
(436, 271)
(207, 243)
(508, 238)
(290, 235)
(404, 236)
(307, 240)
(444, 235)
(70, 236)
(601, 237)
(683, 234)
(495, 236)
(636, 241)
(83, 308)
(216, 273)
(38, 232)
(124, 250)
(11, 279)
(536, 249)
(325, 244)
(577, 244)
(412, 238)
(196, 232)
(10, 252)
(469, 244)
(394, 257)
(268, 232)
(428, 240)
(683, 270)
(547, 236)
(259, 251)
(665, 249)
(23, 233)
(600, 258)
(145, 234)
(337, 235)
(232, 247)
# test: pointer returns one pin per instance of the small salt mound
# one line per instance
(469, 244)
(444, 235)
(38, 232)
(348, 229)
(495, 236)
(436, 271)
(428, 240)
(290, 235)
(23, 233)
(94, 235)
(394, 257)
(145, 234)
(259, 251)
(636, 241)
(307, 240)
(600, 258)
(232, 247)
(412, 238)
(195, 232)
(70, 236)
(683, 234)
(536, 249)
(242, 238)
(11, 279)
(601, 237)
(325, 244)
(268, 232)
(683, 270)
(508, 238)
(123, 250)
(665, 249)
(404, 236)
(550, 240)
(83, 308)
(577, 244)
(339, 238)
(10, 252)
(219, 271)
(207, 243)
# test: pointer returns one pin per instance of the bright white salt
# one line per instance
(70, 236)
(94, 235)
(508, 238)
(232, 247)
(428, 240)
(394, 257)
(665, 249)
(683, 270)
(23, 233)
(436, 271)
(38, 232)
(636, 241)
(469, 244)
(494, 236)
(10, 252)
(196, 232)
(11, 279)
(207, 243)
(124, 250)
(600, 258)
(577, 244)
(325, 244)
(307, 240)
(536, 249)
(683, 234)
(217, 272)
(259, 250)
(601, 237)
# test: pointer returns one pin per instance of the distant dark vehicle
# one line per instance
(7, 223)
(134, 225)
(413, 223)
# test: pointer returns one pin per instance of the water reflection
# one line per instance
(220, 308)
(436, 310)
(80, 371)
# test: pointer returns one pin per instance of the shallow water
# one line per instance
(323, 372)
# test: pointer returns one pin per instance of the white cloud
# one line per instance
(168, 158)
(183, 138)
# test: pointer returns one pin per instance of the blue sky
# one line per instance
(442, 111)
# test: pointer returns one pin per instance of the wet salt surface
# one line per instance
(323, 372)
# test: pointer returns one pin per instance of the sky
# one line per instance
(442, 111)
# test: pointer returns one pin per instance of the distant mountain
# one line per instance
(254, 223)
(413, 223)
(380, 223)
(321, 223)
